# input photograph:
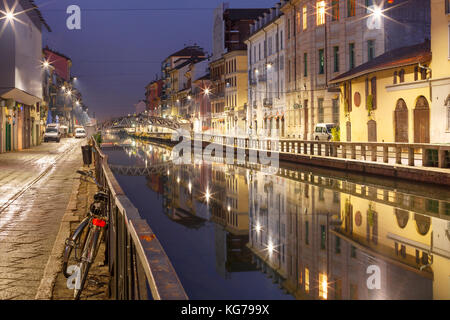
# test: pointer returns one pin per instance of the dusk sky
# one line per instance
(117, 52)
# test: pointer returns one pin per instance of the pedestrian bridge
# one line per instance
(139, 171)
(143, 119)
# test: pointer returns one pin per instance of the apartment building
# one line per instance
(325, 38)
(266, 74)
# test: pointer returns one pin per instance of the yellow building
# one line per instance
(440, 66)
(217, 95)
(388, 98)
(236, 86)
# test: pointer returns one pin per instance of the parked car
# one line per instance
(322, 131)
(52, 133)
(80, 133)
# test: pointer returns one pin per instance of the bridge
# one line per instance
(143, 119)
(136, 171)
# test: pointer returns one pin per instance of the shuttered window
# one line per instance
(374, 92)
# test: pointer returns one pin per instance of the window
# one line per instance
(270, 46)
(281, 40)
(447, 6)
(401, 76)
(337, 245)
(335, 10)
(305, 18)
(289, 71)
(351, 55)
(336, 59)
(305, 64)
(416, 73)
(351, 8)
(370, 49)
(395, 77)
(306, 232)
(265, 49)
(306, 280)
(353, 252)
(323, 286)
(320, 12)
(320, 110)
(338, 289)
(423, 73)
(321, 62)
(369, 3)
(298, 21)
(259, 49)
(289, 28)
(323, 237)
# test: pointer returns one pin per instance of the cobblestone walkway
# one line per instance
(35, 186)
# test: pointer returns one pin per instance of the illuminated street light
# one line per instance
(63, 88)
(207, 91)
(9, 16)
(258, 228)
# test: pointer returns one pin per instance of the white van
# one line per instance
(322, 131)
(80, 133)
(52, 133)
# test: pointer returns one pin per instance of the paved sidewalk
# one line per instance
(35, 186)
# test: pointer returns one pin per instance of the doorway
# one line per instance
(401, 122)
(422, 121)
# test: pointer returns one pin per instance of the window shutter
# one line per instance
(374, 93)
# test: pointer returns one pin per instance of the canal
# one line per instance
(236, 232)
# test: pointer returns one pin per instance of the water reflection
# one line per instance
(314, 236)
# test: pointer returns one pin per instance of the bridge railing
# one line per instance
(138, 265)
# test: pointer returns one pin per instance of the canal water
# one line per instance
(236, 232)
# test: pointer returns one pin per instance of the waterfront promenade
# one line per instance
(35, 188)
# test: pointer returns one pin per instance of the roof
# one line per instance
(28, 4)
(245, 14)
(189, 51)
(57, 53)
(189, 61)
(395, 58)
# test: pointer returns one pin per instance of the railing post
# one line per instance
(344, 151)
(327, 150)
(411, 156)
(311, 148)
(424, 157)
(441, 158)
(385, 154)
(398, 154)
(305, 147)
(363, 151)
(319, 149)
(353, 151)
(374, 153)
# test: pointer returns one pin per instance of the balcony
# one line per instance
(268, 102)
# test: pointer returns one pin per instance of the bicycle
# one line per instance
(95, 224)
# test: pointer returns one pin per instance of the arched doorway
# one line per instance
(401, 122)
(422, 121)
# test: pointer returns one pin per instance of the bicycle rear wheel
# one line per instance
(73, 243)
(88, 257)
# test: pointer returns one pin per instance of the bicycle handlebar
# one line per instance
(89, 174)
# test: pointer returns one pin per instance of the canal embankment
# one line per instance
(412, 162)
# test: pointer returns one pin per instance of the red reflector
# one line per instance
(99, 223)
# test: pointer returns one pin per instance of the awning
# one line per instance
(19, 96)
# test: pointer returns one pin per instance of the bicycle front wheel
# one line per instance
(88, 257)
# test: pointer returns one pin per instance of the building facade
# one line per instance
(21, 75)
(169, 105)
(388, 98)
(153, 96)
(440, 69)
(327, 38)
(231, 27)
(266, 74)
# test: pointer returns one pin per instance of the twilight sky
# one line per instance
(118, 52)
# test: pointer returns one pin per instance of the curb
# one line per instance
(54, 263)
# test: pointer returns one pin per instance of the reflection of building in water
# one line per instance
(229, 210)
(335, 230)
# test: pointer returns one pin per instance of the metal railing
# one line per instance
(408, 154)
(138, 265)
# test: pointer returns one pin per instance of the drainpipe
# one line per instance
(428, 80)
